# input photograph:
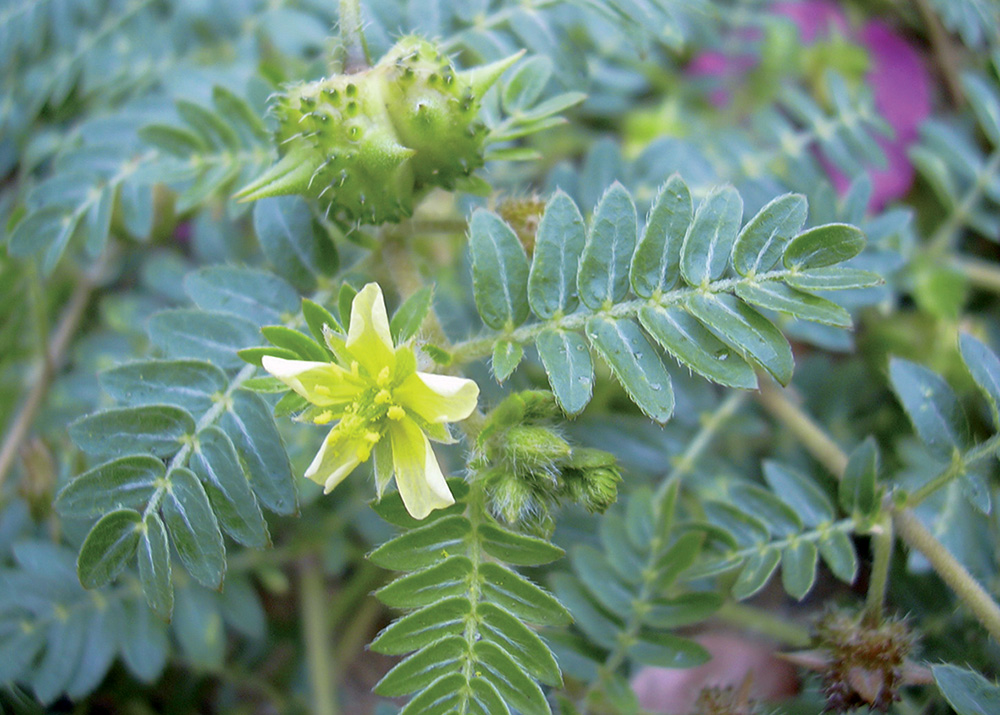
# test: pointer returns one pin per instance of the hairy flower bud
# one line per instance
(367, 145)
(535, 448)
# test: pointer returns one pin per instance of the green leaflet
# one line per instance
(517, 549)
(801, 493)
(569, 366)
(663, 650)
(294, 242)
(155, 429)
(516, 688)
(745, 330)
(215, 462)
(588, 615)
(604, 264)
(108, 547)
(154, 567)
(424, 546)
(984, 366)
(521, 643)
(694, 347)
(798, 568)
(635, 364)
(499, 271)
(597, 575)
(781, 519)
(209, 336)
(932, 406)
(967, 691)
(823, 246)
(193, 528)
(683, 610)
(304, 347)
(188, 384)
(258, 296)
(521, 597)
(756, 573)
(710, 238)
(420, 588)
(762, 241)
(820, 279)
(656, 263)
(197, 623)
(423, 626)
(558, 244)
(858, 493)
(406, 321)
(838, 552)
(419, 670)
(124, 482)
(507, 356)
(781, 298)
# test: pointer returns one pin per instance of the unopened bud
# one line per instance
(534, 448)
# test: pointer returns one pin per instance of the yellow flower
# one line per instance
(382, 405)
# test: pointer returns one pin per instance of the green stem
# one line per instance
(981, 274)
(478, 348)
(316, 633)
(352, 37)
(696, 447)
(766, 623)
(882, 543)
(816, 441)
(965, 586)
(943, 238)
(959, 465)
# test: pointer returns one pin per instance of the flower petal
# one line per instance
(335, 460)
(368, 338)
(438, 398)
(418, 474)
(322, 383)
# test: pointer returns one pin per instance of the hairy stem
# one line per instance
(316, 634)
(944, 52)
(965, 586)
(51, 360)
(816, 441)
(352, 37)
(882, 544)
(478, 348)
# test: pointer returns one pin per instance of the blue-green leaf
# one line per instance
(559, 241)
(193, 528)
(822, 279)
(710, 238)
(154, 567)
(967, 691)
(109, 547)
(858, 492)
(823, 246)
(568, 364)
(779, 297)
(746, 331)
(258, 296)
(499, 271)
(756, 572)
(156, 429)
(189, 384)
(694, 347)
(507, 356)
(293, 241)
(216, 463)
(800, 492)
(984, 366)
(406, 321)
(125, 482)
(931, 405)
(838, 551)
(665, 650)
(604, 265)
(635, 363)
(656, 263)
(762, 241)
(798, 567)
(212, 337)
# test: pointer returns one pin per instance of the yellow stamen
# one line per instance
(323, 417)
(382, 397)
(383, 377)
(355, 368)
(396, 413)
(373, 437)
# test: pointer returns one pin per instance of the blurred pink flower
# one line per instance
(897, 76)
(674, 691)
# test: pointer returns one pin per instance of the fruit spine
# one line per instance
(368, 144)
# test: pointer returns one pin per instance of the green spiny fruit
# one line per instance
(367, 145)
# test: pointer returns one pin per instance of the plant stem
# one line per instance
(766, 623)
(965, 586)
(51, 360)
(352, 37)
(944, 53)
(316, 632)
(981, 274)
(816, 441)
(882, 543)
(960, 463)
